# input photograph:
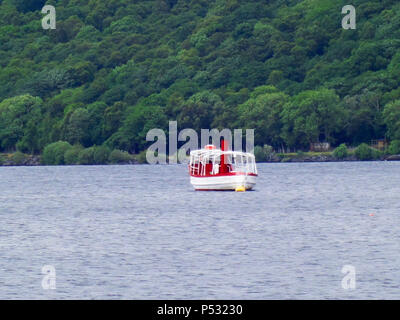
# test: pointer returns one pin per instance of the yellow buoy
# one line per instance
(240, 189)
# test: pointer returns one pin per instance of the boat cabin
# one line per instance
(211, 161)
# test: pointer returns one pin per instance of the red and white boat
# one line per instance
(219, 169)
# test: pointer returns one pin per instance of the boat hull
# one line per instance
(220, 183)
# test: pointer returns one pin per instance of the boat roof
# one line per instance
(219, 152)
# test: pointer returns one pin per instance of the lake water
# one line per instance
(141, 232)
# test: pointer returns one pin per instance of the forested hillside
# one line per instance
(114, 69)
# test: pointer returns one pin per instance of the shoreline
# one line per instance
(326, 158)
(9, 160)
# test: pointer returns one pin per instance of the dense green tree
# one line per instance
(114, 69)
(101, 154)
(71, 156)
(113, 118)
(19, 118)
(364, 152)
(199, 111)
(365, 122)
(341, 152)
(394, 147)
(312, 116)
(53, 154)
(119, 156)
(29, 5)
(262, 112)
(86, 156)
(78, 126)
(140, 119)
(392, 119)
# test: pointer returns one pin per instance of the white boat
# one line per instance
(213, 169)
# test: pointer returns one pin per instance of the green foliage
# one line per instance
(77, 126)
(86, 156)
(18, 158)
(364, 153)
(263, 154)
(300, 154)
(101, 154)
(112, 70)
(391, 115)
(28, 5)
(394, 147)
(312, 116)
(141, 157)
(340, 152)
(364, 118)
(53, 154)
(71, 156)
(262, 113)
(19, 118)
(259, 154)
(132, 135)
(199, 110)
(119, 156)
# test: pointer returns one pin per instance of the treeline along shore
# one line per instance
(113, 70)
(62, 153)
